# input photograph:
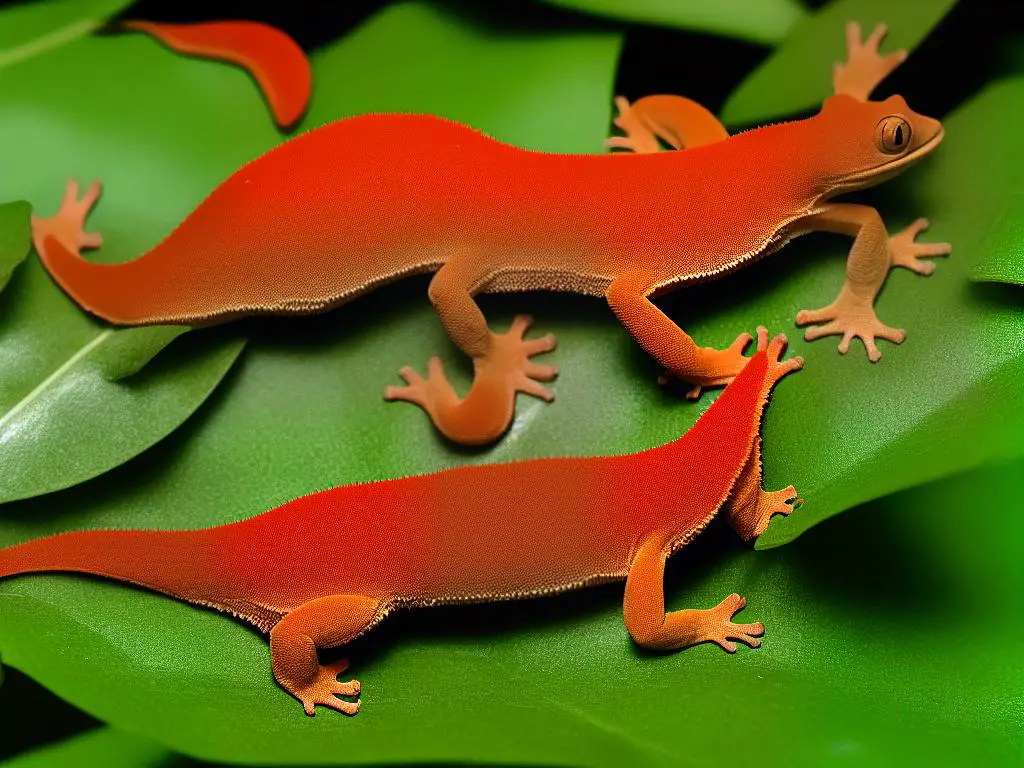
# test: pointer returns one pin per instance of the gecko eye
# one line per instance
(893, 135)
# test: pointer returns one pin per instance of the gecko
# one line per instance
(344, 208)
(473, 533)
(682, 123)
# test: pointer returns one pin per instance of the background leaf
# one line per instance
(797, 75)
(15, 237)
(759, 21)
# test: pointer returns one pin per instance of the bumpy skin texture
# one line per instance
(275, 61)
(682, 123)
(469, 534)
(337, 211)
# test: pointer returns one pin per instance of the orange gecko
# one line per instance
(342, 209)
(469, 534)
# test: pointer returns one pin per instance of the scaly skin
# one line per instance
(469, 534)
(344, 208)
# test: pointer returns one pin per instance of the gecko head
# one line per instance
(872, 141)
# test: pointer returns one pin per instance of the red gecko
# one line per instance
(340, 210)
(469, 534)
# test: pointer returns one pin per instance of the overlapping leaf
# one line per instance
(15, 238)
(797, 75)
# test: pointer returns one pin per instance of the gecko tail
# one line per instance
(114, 292)
(163, 561)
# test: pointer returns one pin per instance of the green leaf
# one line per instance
(15, 237)
(108, 747)
(759, 21)
(797, 76)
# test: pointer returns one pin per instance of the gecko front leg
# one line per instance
(865, 68)
(68, 224)
(502, 364)
(667, 343)
(852, 314)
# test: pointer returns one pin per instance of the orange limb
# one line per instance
(669, 344)
(326, 622)
(274, 60)
(502, 367)
(651, 627)
(67, 226)
(750, 507)
(864, 68)
(676, 120)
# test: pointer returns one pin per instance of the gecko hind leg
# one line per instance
(68, 224)
(486, 411)
(326, 622)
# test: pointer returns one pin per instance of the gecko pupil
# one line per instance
(899, 136)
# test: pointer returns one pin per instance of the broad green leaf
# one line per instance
(538, 91)
(64, 414)
(15, 237)
(108, 747)
(759, 21)
(797, 75)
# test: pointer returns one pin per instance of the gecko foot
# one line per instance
(719, 628)
(510, 355)
(638, 138)
(485, 413)
(771, 503)
(68, 224)
(850, 318)
(326, 689)
(908, 254)
(865, 68)
(777, 367)
(718, 367)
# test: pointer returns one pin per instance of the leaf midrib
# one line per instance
(50, 380)
(55, 39)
